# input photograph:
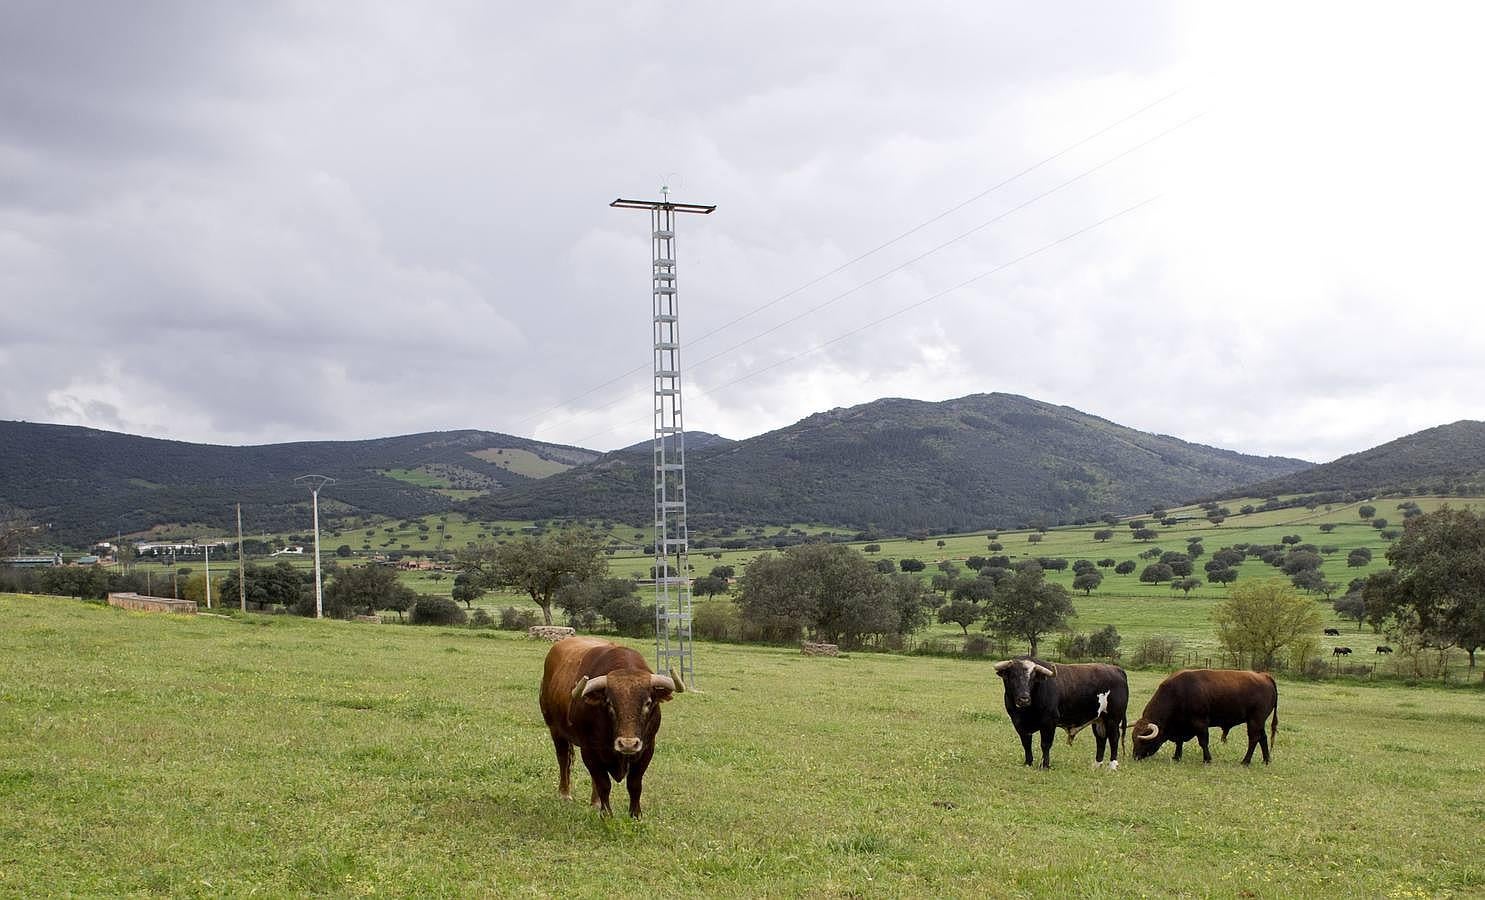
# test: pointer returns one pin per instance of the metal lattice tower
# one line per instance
(672, 562)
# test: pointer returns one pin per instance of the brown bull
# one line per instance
(1189, 702)
(603, 699)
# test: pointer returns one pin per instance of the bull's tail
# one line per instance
(1273, 729)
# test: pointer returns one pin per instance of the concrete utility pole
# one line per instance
(241, 570)
(316, 482)
(208, 576)
(672, 557)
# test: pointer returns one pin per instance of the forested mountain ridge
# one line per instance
(1446, 459)
(87, 483)
(907, 465)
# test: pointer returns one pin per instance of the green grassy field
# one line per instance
(152, 754)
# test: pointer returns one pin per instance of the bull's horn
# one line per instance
(1150, 735)
(1044, 671)
(680, 686)
(669, 684)
(596, 684)
(1004, 664)
(577, 689)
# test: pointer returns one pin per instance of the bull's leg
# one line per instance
(635, 783)
(1109, 733)
(1026, 745)
(1256, 738)
(601, 783)
(1206, 751)
(1100, 737)
(1048, 735)
(1180, 745)
(564, 766)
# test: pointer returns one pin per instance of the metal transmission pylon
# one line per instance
(672, 562)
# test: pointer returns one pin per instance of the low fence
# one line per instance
(143, 603)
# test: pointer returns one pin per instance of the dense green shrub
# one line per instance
(433, 610)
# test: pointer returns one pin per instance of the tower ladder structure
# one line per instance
(672, 568)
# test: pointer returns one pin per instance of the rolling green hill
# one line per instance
(907, 465)
(1448, 459)
(87, 484)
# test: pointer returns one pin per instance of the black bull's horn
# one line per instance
(1150, 735)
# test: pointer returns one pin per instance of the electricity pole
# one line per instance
(241, 571)
(672, 555)
(208, 576)
(316, 482)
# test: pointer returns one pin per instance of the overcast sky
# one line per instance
(1254, 226)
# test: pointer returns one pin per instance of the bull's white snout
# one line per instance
(628, 746)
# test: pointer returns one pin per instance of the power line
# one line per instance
(912, 261)
(882, 246)
(912, 306)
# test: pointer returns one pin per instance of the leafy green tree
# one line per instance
(1366, 512)
(911, 565)
(365, 589)
(1145, 534)
(828, 590)
(1103, 534)
(466, 589)
(343, 551)
(1261, 618)
(1351, 605)
(996, 546)
(1156, 573)
(538, 565)
(1107, 563)
(1361, 556)
(1027, 606)
(584, 601)
(1223, 575)
(1086, 582)
(974, 590)
(962, 613)
(886, 566)
(1327, 527)
(1185, 585)
(723, 572)
(1126, 567)
(277, 585)
(872, 548)
(1034, 538)
(709, 586)
(1435, 589)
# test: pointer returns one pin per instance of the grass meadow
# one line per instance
(152, 754)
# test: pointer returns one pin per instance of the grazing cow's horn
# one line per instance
(660, 681)
(1043, 670)
(1152, 734)
(680, 686)
(596, 684)
(1003, 665)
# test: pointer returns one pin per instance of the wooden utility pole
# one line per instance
(241, 573)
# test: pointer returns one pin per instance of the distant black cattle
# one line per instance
(1383, 648)
(1333, 632)
(1341, 651)
(1042, 698)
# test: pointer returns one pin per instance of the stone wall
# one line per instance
(152, 604)
(551, 633)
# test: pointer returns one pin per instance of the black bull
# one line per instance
(1040, 697)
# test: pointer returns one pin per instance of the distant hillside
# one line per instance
(88, 484)
(695, 441)
(1448, 459)
(907, 465)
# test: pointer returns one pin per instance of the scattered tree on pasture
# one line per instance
(1126, 567)
(962, 613)
(709, 586)
(1027, 606)
(1261, 618)
(1359, 557)
(537, 564)
(1145, 534)
(911, 565)
(1087, 581)
(1185, 585)
(1103, 534)
(1435, 588)
(1366, 512)
(1223, 575)
(365, 589)
(1155, 573)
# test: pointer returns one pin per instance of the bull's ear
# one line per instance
(595, 697)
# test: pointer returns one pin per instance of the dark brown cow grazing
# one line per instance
(1189, 702)
(603, 699)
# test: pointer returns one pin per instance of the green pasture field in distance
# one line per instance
(149, 753)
